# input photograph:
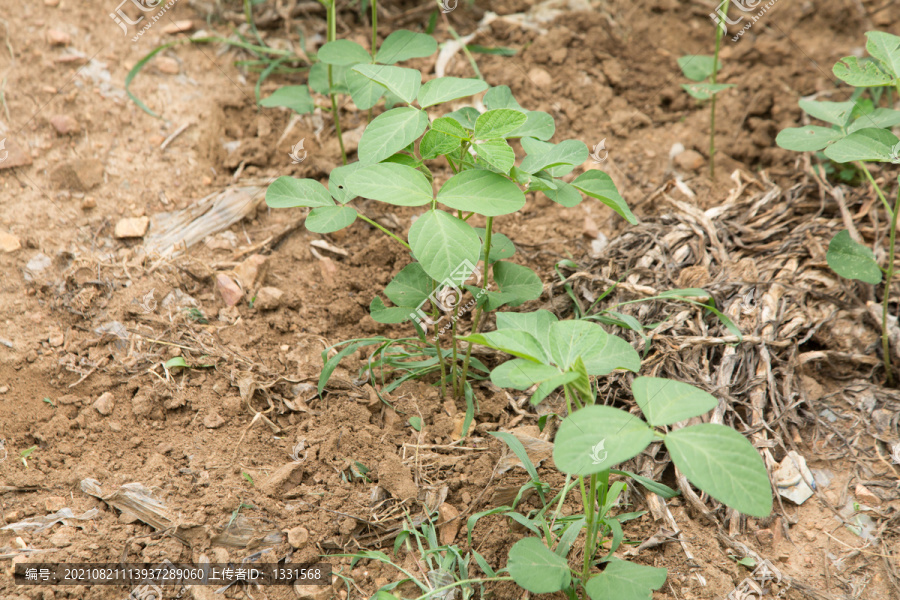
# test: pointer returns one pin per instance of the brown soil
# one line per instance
(604, 70)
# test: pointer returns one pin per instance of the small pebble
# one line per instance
(56, 37)
(65, 124)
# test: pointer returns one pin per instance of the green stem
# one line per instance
(878, 191)
(374, 224)
(476, 319)
(457, 384)
(332, 36)
(712, 103)
(885, 347)
(440, 355)
(374, 26)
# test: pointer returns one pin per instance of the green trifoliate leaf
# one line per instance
(498, 123)
(447, 247)
(852, 260)
(405, 83)
(535, 568)
(337, 182)
(392, 183)
(404, 45)
(624, 580)
(500, 97)
(885, 47)
(521, 374)
(501, 246)
(865, 144)
(558, 159)
(318, 79)
(391, 132)
(435, 143)
(666, 401)
(517, 284)
(410, 287)
(537, 323)
(564, 194)
(601, 352)
(288, 192)
(405, 160)
(451, 127)
(880, 118)
(599, 185)
(389, 315)
(722, 463)
(861, 73)
(538, 124)
(343, 53)
(807, 139)
(365, 92)
(518, 343)
(295, 97)
(328, 219)
(705, 91)
(444, 89)
(496, 153)
(483, 192)
(546, 387)
(698, 67)
(836, 113)
(465, 116)
(596, 438)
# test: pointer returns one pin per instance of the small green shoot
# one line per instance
(24, 454)
(50, 402)
(247, 476)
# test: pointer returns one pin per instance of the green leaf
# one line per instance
(337, 182)
(365, 92)
(518, 284)
(501, 246)
(807, 139)
(521, 374)
(483, 192)
(391, 132)
(865, 144)
(518, 343)
(404, 45)
(547, 386)
(389, 315)
(410, 287)
(568, 154)
(392, 183)
(535, 568)
(405, 83)
(886, 48)
(698, 67)
(538, 124)
(288, 192)
(465, 116)
(445, 246)
(519, 450)
(328, 219)
(722, 463)
(595, 438)
(666, 401)
(861, 73)
(852, 260)
(444, 89)
(882, 118)
(406, 160)
(450, 127)
(344, 53)
(435, 143)
(497, 123)
(496, 153)
(416, 423)
(705, 91)
(836, 113)
(601, 352)
(500, 97)
(318, 79)
(599, 185)
(537, 323)
(657, 488)
(623, 580)
(176, 362)
(564, 194)
(295, 97)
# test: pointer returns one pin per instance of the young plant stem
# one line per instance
(457, 384)
(476, 319)
(377, 226)
(712, 102)
(374, 26)
(889, 276)
(878, 191)
(330, 10)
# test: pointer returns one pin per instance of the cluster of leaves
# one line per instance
(700, 69)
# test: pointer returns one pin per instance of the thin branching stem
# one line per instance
(476, 319)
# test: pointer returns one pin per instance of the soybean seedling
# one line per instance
(704, 70)
(859, 137)
(592, 439)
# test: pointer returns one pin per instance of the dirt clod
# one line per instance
(866, 496)
(9, 242)
(268, 298)
(65, 124)
(104, 404)
(298, 536)
(132, 227)
(228, 289)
